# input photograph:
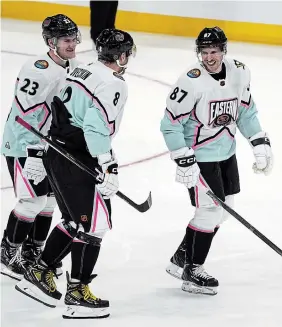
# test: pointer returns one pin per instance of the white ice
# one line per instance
(131, 267)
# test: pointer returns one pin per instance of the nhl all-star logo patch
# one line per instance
(41, 64)
(194, 73)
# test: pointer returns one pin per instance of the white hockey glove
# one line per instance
(33, 167)
(110, 183)
(187, 171)
(262, 152)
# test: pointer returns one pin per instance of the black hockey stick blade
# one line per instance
(143, 207)
(245, 223)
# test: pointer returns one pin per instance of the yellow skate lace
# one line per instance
(87, 293)
(50, 281)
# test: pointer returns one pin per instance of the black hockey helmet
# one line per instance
(57, 26)
(211, 37)
(111, 43)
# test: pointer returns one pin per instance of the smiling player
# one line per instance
(204, 108)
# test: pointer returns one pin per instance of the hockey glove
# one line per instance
(187, 171)
(33, 167)
(262, 152)
(109, 185)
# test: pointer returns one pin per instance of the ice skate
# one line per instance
(32, 252)
(82, 304)
(38, 283)
(175, 268)
(197, 281)
(12, 264)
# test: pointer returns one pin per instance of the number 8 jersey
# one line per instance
(95, 96)
(203, 112)
(39, 80)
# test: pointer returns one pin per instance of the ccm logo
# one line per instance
(112, 170)
(187, 161)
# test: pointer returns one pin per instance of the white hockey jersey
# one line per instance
(203, 112)
(95, 96)
(39, 80)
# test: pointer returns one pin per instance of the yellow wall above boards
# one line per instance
(147, 22)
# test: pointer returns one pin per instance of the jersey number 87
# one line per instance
(179, 97)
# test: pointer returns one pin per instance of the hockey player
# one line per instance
(86, 117)
(38, 81)
(204, 108)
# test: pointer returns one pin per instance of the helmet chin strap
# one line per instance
(53, 47)
(123, 67)
(56, 54)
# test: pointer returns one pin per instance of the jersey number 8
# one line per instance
(117, 96)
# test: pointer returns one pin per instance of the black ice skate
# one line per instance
(12, 264)
(197, 281)
(175, 268)
(38, 283)
(82, 304)
(32, 251)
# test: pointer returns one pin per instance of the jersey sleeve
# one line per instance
(179, 104)
(29, 103)
(101, 119)
(247, 122)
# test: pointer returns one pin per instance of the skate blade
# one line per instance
(35, 293)
(8, 272)
(196, 289)
(81, 312)
(174, 271)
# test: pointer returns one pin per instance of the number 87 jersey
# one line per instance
(39, 80)
(204, 110)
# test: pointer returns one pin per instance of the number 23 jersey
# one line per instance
(39, 80)
(203, 112)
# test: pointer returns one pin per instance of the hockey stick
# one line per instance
(143, 207)
(241, 220)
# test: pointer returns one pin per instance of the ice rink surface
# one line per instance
(131, 266)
